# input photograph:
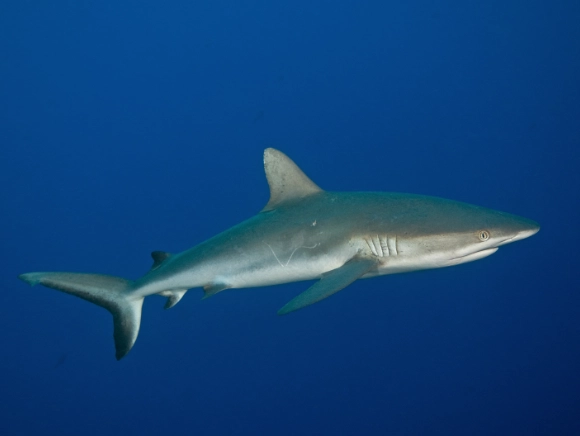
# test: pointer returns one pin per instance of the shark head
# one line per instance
(406, 232)
(463, 232)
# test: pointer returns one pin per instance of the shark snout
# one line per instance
(525, 229)
(526, 233)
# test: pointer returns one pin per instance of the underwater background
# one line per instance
(133, 126)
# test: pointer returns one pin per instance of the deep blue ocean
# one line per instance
(133, 126)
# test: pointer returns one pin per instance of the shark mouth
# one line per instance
(471, 257)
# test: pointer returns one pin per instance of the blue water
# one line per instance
(133, 127)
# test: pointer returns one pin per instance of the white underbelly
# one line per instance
(274, 274)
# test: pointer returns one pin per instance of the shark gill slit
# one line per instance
(385, 246)
(371, 246)
(382, 246)
(378, 246)
(392, 244)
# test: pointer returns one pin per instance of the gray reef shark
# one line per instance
(304, 233)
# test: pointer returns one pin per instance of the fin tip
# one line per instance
(286, 309)
(30, 278)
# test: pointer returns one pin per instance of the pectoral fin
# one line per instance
(330, 283)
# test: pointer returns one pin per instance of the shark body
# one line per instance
(304, 233)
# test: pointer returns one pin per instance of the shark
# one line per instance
(303, 233)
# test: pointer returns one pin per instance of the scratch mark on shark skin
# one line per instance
(292, 254)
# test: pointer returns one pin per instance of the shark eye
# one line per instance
(483, 235)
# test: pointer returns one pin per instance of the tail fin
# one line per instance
(105, 291)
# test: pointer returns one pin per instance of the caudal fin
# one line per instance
(109, 292)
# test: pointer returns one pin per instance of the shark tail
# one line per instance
(112, 293)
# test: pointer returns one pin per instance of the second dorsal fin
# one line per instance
(158, 258)
(287, 181)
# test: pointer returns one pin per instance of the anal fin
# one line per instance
(331, 283)
(173, 297)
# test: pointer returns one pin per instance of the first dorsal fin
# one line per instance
(287, 181)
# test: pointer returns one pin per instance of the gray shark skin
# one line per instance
(304, 233)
